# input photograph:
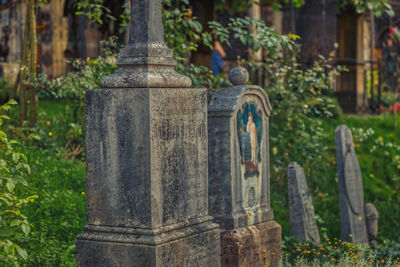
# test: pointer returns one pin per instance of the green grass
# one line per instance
(59, 213)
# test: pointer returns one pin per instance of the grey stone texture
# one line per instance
(238, 159)
(351, 194)
(146, 157)
(190, 251)
(239, 76)
(229, 191)
(372, 215)
(303, 225)
(147, 179)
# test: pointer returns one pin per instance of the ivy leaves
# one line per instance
(254, 33)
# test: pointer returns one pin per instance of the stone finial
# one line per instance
(239, 76)
(146, 62)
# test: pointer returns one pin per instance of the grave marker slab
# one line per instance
(146, 136)
(351, 194)
(238, 158)
(303, 225)
(372, 216)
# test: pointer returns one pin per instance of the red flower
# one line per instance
(397, 105)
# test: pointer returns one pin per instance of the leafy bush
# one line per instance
(14, 170)
(260, 37)
(72, 87)
(299, 97)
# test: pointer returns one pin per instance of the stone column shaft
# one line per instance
(146, 143)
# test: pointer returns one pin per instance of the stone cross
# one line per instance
(303, 225)
(146, 139)
(351, 194)
(238, 158)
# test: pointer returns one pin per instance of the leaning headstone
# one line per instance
(303, 225)
(238, 156)
(372, 215)
(146, 136)
(351, 194)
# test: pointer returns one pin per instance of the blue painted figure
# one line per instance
(249, 121)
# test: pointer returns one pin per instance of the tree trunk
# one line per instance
(33, 62)
(28, 63)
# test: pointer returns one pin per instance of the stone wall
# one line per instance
(58, 41)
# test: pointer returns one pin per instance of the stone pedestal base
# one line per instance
(147, 197)
(244, 246)
(195, 245)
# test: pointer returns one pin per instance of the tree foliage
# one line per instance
(14, 224)
(378, 7)
(93, 9)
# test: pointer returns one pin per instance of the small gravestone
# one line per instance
(372, 215)
(146, 136)
(303, 225)
(351, 194)
(238, 158)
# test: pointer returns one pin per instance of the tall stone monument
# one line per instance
(351, 194)
(303, 225)
(238, 158)
(146, 136)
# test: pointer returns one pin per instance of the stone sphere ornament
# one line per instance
(239, 76)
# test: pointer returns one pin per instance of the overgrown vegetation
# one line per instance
(14, 171)
(5, 90)
(335, 252)
(59, 213)
(55, 180)
(302, 128)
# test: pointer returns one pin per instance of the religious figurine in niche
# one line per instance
(251, 128)
(249, 121)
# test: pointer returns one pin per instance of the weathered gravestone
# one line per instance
(238, 158)
(303, 225)
(371, 215)
(351, 194)
(146, 136)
